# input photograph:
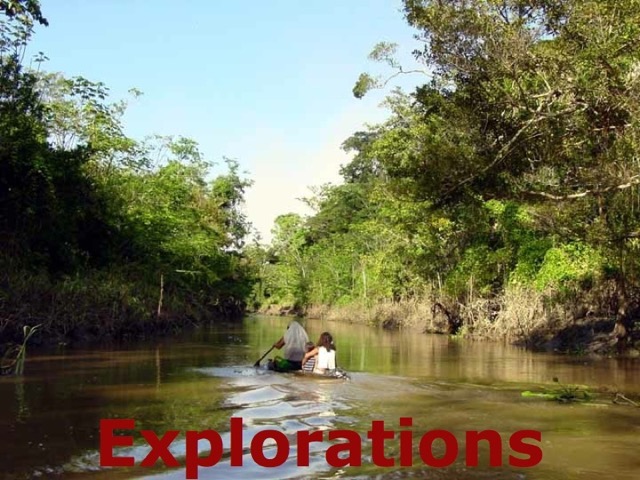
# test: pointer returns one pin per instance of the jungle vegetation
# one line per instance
(103, 236)
(501, 196)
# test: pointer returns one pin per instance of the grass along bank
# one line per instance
(519, 315)
(103, 307)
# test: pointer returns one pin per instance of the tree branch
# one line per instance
(400, 72)
(635, 180)
(506, 148)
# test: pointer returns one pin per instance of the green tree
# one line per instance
(530, 102)
(23, 10)
(101, 233)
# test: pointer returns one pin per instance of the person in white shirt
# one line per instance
(326, 354)
(293, 341)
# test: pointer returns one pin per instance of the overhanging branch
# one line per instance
(635, 180)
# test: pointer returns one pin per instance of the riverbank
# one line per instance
(102, 307)
(519, 316)
(106, 307)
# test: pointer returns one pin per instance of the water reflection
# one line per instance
(199, 381)
(408, 353)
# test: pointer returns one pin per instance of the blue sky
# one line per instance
(266, 82)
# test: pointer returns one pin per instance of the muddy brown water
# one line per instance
(49, 419)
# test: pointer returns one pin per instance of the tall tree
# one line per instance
(534, 102)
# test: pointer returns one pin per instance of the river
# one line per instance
(49, 419)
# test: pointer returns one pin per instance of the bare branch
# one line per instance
(507, 147)
(400, 72)
(635, 180)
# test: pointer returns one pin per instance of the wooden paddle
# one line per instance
(257, 364)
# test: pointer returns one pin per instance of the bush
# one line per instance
(569, 266)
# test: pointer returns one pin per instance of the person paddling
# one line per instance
(294, 341)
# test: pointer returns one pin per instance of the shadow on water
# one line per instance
(199, 382)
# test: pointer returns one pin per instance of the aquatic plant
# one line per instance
(571, 393)
(18, 352)
(563, 394)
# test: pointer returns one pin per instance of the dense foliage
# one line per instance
(500, 195)
(101, 234)
(514, 166)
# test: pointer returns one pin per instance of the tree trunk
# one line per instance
(624, 319)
